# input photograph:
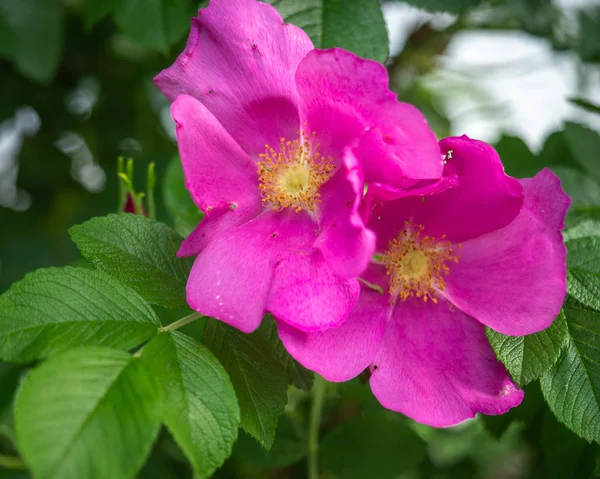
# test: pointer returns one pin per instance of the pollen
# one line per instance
(418, 265)
(291, 175)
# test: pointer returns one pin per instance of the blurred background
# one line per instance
(77, 93)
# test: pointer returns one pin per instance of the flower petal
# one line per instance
(486, 199)
(306, 293)
(217, 171)
(436, 366)
(269, 264)
(345, 242)
(239, 61)
(342, 96)
(513, 279)
(341, 353)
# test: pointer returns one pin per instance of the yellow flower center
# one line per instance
(291, 176)
(417, 265)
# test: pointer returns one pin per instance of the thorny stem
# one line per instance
(11, 462)
(318, 393)
(180, 322)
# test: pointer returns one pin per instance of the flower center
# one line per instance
(291, 176)
(416, 264)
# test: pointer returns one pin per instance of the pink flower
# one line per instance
(486, 252)
(271, 137)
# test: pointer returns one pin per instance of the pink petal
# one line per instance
(436, 366)
(341, 353)
(346, 244)
(343, 96)
(239, 61)
(486, 199)
(513, 279)
(269, 264)
(217, 171)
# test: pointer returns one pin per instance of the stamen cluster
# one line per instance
(291, 176)
(416, 264)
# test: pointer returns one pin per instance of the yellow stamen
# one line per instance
(291, 177)
(417, 265)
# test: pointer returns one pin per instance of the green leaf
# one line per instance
(377, 445)
(87, 413)
(356, 25)
(139, 252)
(95, 10)
(34, 36)
(584, 145)
(584, 253)
(583, 190)
(290, 446)
(186, 215)
(201, 409)
(584, 287)
(54, 309)
(295, 373)
(572, 386)
(517, 158)
(157, 24)
(257, 375)
(583, 229)
(586, 105)
(450, 6)
(528, 357)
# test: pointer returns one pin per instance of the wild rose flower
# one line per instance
(270, 133)
(486, 252)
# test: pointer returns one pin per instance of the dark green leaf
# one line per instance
(34, 35)
(450, 6)
(296, 374)
(586, 105)
(95, 10)
(517, 158)
(186, 215)
(584, 287)
(572, 386)
(157, 24)
(356, 25)
(257, 375)
(139, 252)
(582, 230)
(528, 357)
(54, 309)
(201, 409)
(290, 446)
(584, 253)
(88, 413)
(377, 445)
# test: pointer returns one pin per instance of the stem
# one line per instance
(180, 322)
(319, 389)
(373, 286)
(11, 462)
(150, 184)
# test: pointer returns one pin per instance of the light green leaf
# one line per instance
(88, 413)
(201, 409)
(257, 375)
(584, 145)
(583, 229)
(450, 6)
(186, 215)
(139, 252)
(572, 386)
(528, 357)
(356, 25)
(377, 445)
(54, 309)
(157, 24)
(34, 35)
